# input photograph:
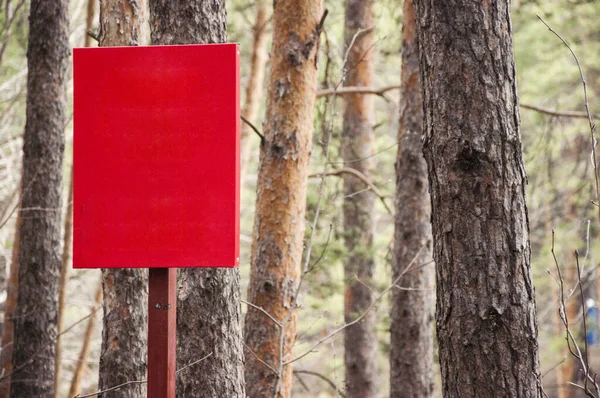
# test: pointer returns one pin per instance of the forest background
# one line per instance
(556, 145)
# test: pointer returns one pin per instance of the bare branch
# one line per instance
(263, 311)
(118, 387)
(359, 318)
(357, 90)
(262, 137)
(322, 377)
(552, 112)
(587, 108)
(360, 176)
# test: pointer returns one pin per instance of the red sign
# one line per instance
(156, 156)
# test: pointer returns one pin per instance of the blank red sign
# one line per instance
(156, 156)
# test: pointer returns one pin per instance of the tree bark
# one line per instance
(411, 356)
(40, 232)
(12, 291)
(208, 304)
(254, 88)
(486, 322)
(281, 197)
(125, 290)
(360, 340)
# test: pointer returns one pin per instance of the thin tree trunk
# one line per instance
(62, 287)
(68, 230)
(568, 372)
(254, 87)
(281, 197)
(40, 232)
(411, 356)
(125, 290)
(85, 348)
(486, 322)
(12, 291)
(208, 303)
(360, 340)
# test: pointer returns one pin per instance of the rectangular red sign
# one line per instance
(156, 156)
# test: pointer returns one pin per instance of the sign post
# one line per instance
(156, 172)
(162, 326)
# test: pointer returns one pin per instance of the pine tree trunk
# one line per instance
(281, 196)
(40, 232)
(360, 340)
(254, 87)
(125, 290)
(411, 356)
(208, 304)
(486, 324)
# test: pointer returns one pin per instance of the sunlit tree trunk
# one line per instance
(360, 340)
(35, 322)
(125, 290)
(254, 87)
(208, 305)
(281, 196)
(486, 316)
(411, 356)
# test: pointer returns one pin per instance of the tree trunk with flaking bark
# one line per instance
(486, 322)
(254, 87)
(208, 306)
(281, 196)
(8, 335)
(35, 325)
(360, 340)
(411, 356)
(125, 290)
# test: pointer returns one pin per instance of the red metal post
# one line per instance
(162, 326)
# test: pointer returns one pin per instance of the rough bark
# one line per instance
(360, 341)
(208, 304)
(486, 324)
(411, 356)
(40, 233)
(125, 290)
(8, 334)
(281, 196)
(254, 87)
(85, 348)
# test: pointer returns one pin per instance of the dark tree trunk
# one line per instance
(411, 356)
(360, 341)
(125, 290)
(208, 305)
(40, 231)
(486, 324)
